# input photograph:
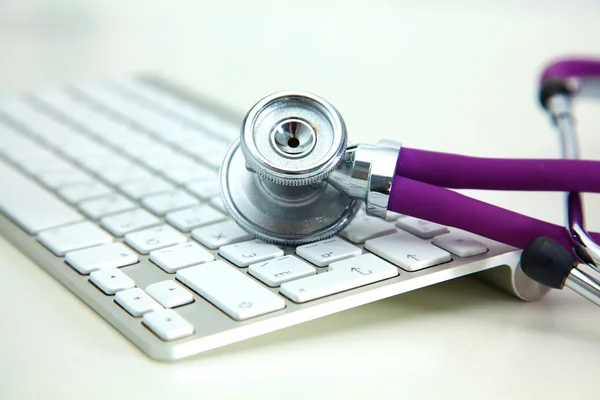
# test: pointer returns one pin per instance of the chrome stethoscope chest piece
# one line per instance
(273, 178)
(293, 138)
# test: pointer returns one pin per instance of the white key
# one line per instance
(158, 160)
(327, 251)
(407, 251)
(128, 221)
(112, 255)
(73, 237)
(236, 294)
(57, 179)
(167, 158)
(393, 216)
(115, 176)
(42, 164)
(246, 253)
(83, 191)
(102, 162)
(342, 275)
(167, 325)
(184, 174)
(421, 228)
(204, 188)
(154, 238)
(30, 206)
(363, 228)
(136, 302)
(189, 218)
(460, 245)
(217, 202)
(281, 270)
(220, 234)
(169, 294)
(172, 259)
(137, 189)
(105, 205)
(111, 280)
(160, 204)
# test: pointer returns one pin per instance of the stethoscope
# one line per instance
(292, 178)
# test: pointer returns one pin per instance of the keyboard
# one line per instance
(112, 188)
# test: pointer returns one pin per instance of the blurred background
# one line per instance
(454, 76)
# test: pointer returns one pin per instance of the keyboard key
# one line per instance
(111, 280)
(105, 205)
(30, 206)
(281, 270)
(167, 325)
(246, 253)
(136, 302)
(154, 238)
(204, 188)
(363, 228)
(234, 293)
(342, 275)
(393, 216)
(113, 255)
(460, 245)
(160, 204)
(172, 259)
(42, 164)
(189, 218)
(102, 162)
(407, 251)
(73, 237)
(128, 221)
(57, 179)
(220, 234)
(421, 228)
(183, 174)
(217, 202)
(169, 294)
(137, 189)
(115, 176)
(83, 191)
(327, 251)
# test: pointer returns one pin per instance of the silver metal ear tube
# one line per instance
(560, 109)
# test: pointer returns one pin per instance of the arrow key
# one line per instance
(111, 280)
(407, 251)
(136, 302)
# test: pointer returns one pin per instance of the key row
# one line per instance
(96, 158)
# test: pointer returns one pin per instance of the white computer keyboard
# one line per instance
(112, 188)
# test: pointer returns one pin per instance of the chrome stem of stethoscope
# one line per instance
(560, 109)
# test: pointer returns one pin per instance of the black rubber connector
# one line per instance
(552, 87)
(547, 262)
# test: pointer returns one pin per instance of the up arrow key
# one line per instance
(360, 272)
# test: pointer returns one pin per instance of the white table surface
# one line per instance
(457, 77)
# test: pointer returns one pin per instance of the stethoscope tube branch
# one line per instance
(447, 207)
(464, 172)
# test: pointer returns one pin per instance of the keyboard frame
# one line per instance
(213, 328)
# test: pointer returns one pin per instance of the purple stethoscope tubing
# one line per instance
(419, 189)
(423, 179)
